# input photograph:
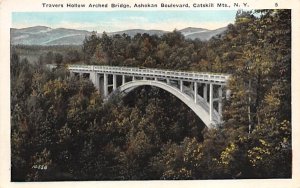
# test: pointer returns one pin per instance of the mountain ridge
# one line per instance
(43, 35)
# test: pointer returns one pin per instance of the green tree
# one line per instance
(90, 44)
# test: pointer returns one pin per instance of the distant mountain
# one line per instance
(41, 35)
(189, 32)
(32, 30)
(200, 33)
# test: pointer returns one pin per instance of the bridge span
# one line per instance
(202, 92)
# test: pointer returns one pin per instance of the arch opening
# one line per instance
(187, 100)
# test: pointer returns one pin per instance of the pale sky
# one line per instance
(122, 20)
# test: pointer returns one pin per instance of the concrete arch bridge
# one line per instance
(202, 92)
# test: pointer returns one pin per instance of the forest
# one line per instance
(61, 130)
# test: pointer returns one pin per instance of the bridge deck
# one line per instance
(219, 79)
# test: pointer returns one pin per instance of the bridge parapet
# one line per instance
(220, 79)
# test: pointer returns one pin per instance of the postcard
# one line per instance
(156, 94)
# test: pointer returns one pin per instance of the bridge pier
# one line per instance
(123, 79)
(195, 92)
(105, 85)
(205, 92)
(211, 101)
(114, 82)
(220, 91)
(181, 85)
(94, 77)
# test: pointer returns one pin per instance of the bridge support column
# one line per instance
(123, 79)
(105, 85)
(94, 77)
(195, 91)
(144, 78)
(181, 85)
(155, 78)
(80, 74)
(133, 78)
(220, 103)
(211, 106)
(205, 92)
(168, 81)
(114, 82)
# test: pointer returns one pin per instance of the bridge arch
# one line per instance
(197, 109)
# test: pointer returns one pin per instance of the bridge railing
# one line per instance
(81, 67)
(152, 72)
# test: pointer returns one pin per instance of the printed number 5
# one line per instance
(276, 4)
